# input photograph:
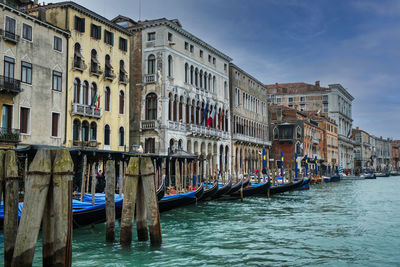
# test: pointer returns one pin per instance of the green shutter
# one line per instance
(99, 32)
(112, 38)
(105, 35)
(83, 24)
(76, 23)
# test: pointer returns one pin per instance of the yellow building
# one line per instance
(97, 84)
(331, 149)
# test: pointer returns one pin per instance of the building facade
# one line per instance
(335, 101)
(363, 150)
(249, 118)
(33, 69)
(396, 155)
(97, 86)
(180, 82)
(382, 154)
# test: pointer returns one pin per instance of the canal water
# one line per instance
(337, 224)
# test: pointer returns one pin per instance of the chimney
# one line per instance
(42, 14)
(317, 83)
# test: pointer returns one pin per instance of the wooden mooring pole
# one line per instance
(110, 200)
(128, 207)
(141, 225)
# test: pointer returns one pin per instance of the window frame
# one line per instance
(123, 44)
(26, 73)
(58, 124)
(108, 37)
(59, 81)
(151, 36)
(23, 32)
(55, 43)
(79, 24)
(15, 25)
(95, 34)
(28, 119)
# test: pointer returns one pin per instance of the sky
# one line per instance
(352, 42)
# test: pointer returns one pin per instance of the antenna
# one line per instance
(140, 8)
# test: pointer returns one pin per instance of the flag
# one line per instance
(211, 118)
(94, 102)
(98, 103)
(220, 119)
(204, 114)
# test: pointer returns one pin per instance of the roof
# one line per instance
(246, 73)
(84, 10)
(177, 26)
(296, 88)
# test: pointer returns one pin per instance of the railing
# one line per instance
(92, 143)
(10, 85)
(109, 75)
(123, 78)
(79, 64)
(9, 36)
(249, 139)
(149, 124)
(149, 78)
(201, 130)
(9, 135)
(85, 110)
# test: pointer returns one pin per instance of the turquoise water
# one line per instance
(337, 224)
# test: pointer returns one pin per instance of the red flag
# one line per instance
(210, 118)
(98, 103)
(220, 119)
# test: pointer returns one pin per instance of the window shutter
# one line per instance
(112, 38)
(105, 35)
(76, 23)
(83, 24)
(54, 131)
(99, 32)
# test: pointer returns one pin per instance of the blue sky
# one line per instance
(354, 43)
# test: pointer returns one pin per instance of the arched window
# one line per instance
(93, 94)
(214, 84)
(107, 99)
(108, 67)
(121, 102)
(151, 106)
(107, 135)
(174, 106)
(85, 93)
(298, 132)
(226, 89)
(170, 106)
(77, 90)
(180, 109)
(196, 77)
(151, 64)
(276, 133)
(85, 131)
(170, 65)
(93, 131)
(123, 75)
(94, 63)
(201, 79)
(191, 75)
(76, 130)
(121, 136)
(77, 56)
(205, 80)
(186, 72)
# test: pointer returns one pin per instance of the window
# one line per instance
(107, 99)
(95, 31)
(151, 64)
(26, 72)
(85, 131)
(278, 100)
(302, 98)
(108, 37)
(302, 107)
(191, 48)
(57, 81)
(79, 24)
(23, 120)
(121, 102)
(214, 61)
(151, 36)
(151, 106)
(57, 44)
(55, 118)
(225, 67)
(325, 98)
(76, 130)
(201, 53)
(186, 46)
(290, 99)
(107, 135)
(121, 136)
(85, 88)
(9, 64)
(27, 32)
(149, 145)
(209, 58)
(325, 107)
(93, 131)
(170, 64)
(170, 37)
(10, 28)
(123, 44)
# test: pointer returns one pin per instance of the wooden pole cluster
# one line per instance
(140, 184)
(110, 200)
(48, 198)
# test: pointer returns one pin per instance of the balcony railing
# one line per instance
(9, 36)
(9, 135)
(10, 85)
(88, 144)
(85, 110)
(109, 75)
(149, 78)
(250, 139)
(199, 130)
(79, 64)
(149, 124)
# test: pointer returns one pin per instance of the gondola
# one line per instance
(335, 178)
(208, 193)
(255, 190)
(369, 176)
(223, 190)
(286, 187)
(179, 200)
(236, 187)
(161, 190)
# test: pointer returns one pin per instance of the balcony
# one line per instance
(315, 140)
(9, 135)
(10, 85)
(95, 70)
(203, 131)
(109, 75)
(149, 78)
(149, 124)
(250, 140)
(175, 125)
(123, 78)
(79, 64)
(9, 36)
(85, 110)
(86, 144)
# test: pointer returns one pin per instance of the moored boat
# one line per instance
(286, 187)
(222, 190)
(326, 179)
(209, 192)
(169, 202)
(335, 178)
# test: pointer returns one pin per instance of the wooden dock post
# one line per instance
(128, 207)
(83, 176)
(153, 214)
(35, 196)
(94, 182)
(2, 152)
(141, 224)
(48, 227)
(121, 178)
(110, 200)
(62, 198)
(10, 205)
